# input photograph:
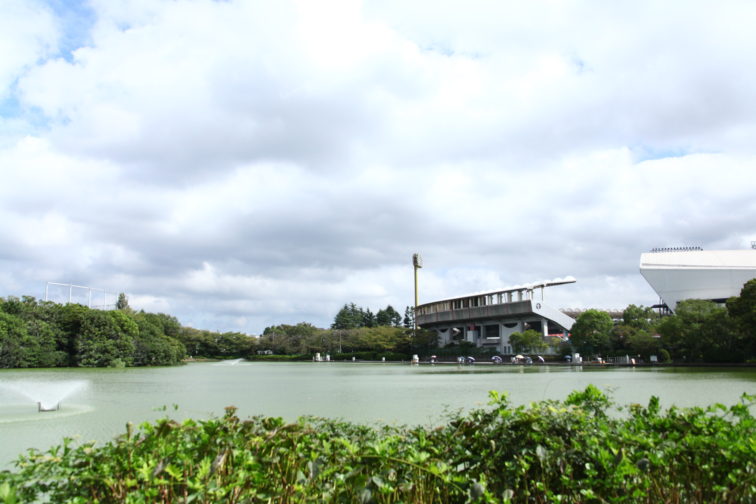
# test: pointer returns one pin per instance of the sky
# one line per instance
(243, 164)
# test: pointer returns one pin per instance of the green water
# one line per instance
(103, 400)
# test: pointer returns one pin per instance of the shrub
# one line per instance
(569, 451)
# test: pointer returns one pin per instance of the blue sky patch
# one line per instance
(76, 19)
(649, 153)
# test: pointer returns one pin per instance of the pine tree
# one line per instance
(350, 316)
(409, 317)
(368, 319)
(123, 302)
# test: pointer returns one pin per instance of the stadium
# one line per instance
(487, 319)
(693, 273)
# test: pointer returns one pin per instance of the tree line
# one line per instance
(355, 332)
(352, 316)
(45, 334)
(698, 331)
(372, 343)
(37, 333)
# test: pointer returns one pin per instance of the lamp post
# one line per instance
(417, 263)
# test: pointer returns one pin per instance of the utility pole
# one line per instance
(417, 263)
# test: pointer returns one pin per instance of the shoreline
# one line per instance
(509, 364)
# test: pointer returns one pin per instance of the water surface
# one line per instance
(103, 400)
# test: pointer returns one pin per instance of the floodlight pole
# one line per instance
(417, 263)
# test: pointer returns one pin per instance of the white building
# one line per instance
(692, 273)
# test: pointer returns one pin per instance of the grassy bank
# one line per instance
(551, 451)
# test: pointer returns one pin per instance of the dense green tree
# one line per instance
(152, 346)
(17, 349)
(301, 338)
(697, 316)
(102, 343)
(234, 345)
(382, 318)
(39, 338)
(349, 317)
(591, 332)
(388, 317)
(123, 302)
(149, 349)
(742, 310)
(620, 336)
(701, 331)
(673, 336)
(70, 318)
(644, 344)
(46, 350)
(198, 343)
(344, 340)
(529, 341)
(368, 318)
(720, 340)
(125, 323)
(48, 334)
(381, 338)
(23, 307)
(639, 317)
(409, 317)
(168, 324)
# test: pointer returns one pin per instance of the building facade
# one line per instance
(487, 319)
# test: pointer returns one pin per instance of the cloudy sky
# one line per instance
(240, 164)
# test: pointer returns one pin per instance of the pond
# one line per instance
(97, 403)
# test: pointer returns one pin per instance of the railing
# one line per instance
(676, 249)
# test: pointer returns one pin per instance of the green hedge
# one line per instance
(371, 356)
(552, 451)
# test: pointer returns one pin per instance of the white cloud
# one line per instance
(29, 34)
(241, 164)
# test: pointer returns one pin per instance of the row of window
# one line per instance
(495, 298)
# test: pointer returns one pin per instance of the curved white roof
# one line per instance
(709, 259)
(515, 288)
(698, 274)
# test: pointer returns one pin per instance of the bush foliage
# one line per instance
(45, 334)
(551, 451)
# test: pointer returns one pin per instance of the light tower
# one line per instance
(417, 263)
